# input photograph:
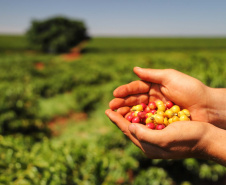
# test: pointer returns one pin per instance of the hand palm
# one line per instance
(179, 140)
(183, 90)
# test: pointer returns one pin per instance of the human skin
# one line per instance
(196, 138)
(183, 139)
(204, 103)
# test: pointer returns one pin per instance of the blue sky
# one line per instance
(122, 17)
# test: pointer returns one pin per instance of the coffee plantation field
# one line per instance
(43, 140)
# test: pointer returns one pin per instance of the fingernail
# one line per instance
(132, 128)
(107, 111)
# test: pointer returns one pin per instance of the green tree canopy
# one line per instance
(57, 34)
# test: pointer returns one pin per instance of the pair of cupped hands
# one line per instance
(182, 139)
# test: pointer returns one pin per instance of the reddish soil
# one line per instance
(74, 53)
(71, 56)
(39, 66)
(58, 124)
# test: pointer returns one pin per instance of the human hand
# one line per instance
(166, 84)
(182, 139)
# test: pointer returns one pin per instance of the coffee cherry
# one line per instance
(136, 120)
(137, 108)
(159, 102)
(166, 122)
(153, 111)
(159, 119)
(175, 108)
(149, 114)
(141, 114)
(157, 115)
(169, 104)
(149, 120)
(147, 109)
(186, 111)
(184, 118)
(175, 118)
(129, 117)
(161, 107)
(151, 125)
(132, 114)
(136, 113)
(169, 113)
(180, 113)
(160, 112)
(170, 120)
(143, 105)
(152, 105)
(160, 127)
(134, 108)
(142, 120)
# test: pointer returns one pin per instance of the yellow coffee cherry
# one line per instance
(161, 107)
(159, 119)
(137, 108)
(133, 108)
(170, 120)
(166, 122)
(175, 108)
(184, 118)
(175, 118)
(159, 102)
(136, 112)
(159, 112)
(187, 113)
(169, 113)
(149, 114)
(180, 113)
(149, 120)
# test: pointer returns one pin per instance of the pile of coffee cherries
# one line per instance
(157, 115)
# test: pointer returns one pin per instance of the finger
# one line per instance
(155, 93)
(152, 141)
(128, 101)
(123, 110)
(144, 134)
(122, 124)
(126, 115)
(135, 87)
(151, 75)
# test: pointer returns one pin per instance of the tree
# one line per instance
(57, 34)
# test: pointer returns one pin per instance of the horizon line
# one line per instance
(139, 35)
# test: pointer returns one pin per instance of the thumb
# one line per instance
(151, 75)
(144, 134)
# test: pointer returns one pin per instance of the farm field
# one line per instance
(53, 129)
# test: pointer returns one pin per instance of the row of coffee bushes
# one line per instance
(107, 158)
(140, 45)
(100, 159)
(27, 79)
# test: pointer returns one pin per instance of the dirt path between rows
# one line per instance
(59, 123)
(75, 52)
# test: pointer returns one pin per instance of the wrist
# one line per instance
(213, 145)
(216, 106)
